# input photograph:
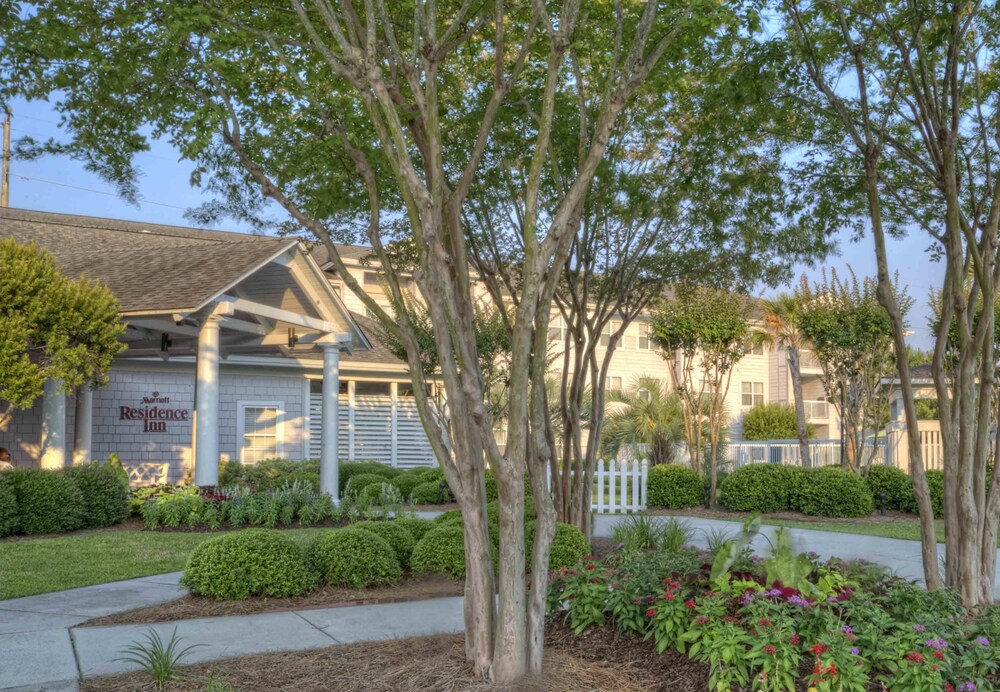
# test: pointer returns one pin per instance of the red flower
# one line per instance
(764, 622)
(935, 666)
(795, 639)
(915, 657)
(729, 618)
(948, 687)
(690, 604)
(701, 620)
(651, 612)
(669, 596)
(819, 649)
(939, 655)
(769, 649)
(591, 566)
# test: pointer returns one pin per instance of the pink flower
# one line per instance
(769, 649)
(651, 612)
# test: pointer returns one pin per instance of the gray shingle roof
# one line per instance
(148, 267)
(379, 352)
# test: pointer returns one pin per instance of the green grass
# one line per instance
(40, 565)
(909, 531)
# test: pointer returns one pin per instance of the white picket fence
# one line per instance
(619, 486)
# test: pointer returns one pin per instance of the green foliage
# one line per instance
(105, 498)
(454, 516)
(935, 483)
(8, 505)
(673, 486)
(787, 567)
(429, 493)
(361, 481)
(639, 532)
(398, 536)
(47, 501)
(833, 492)
(349, 469)
(53, 327)
(417, 527)
(733, 550)
(763, 488)
(774, 421)
(895, 483)
(269, 474)
(441, 551)
(114, 465)
(632, 419)
(254, 562)
(569, 545)
(356, 558)
(157, 658)
(406, 482)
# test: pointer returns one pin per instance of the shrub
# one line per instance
(105, 499)
(441, 551)
(349, 469)
(430, 493)
(254, 562)
(893, 482)
(181, 507)
(673, 486)
(114, 465)
(417, 527)
(399, 537)
(230, 473)
(935, 483)
(776, 421)
(406, 482)
(569, 545)
(362, 481)
(8, 507)
(356, 558)
(452, 516)
(833, 492)
(760, 488)
(317, 509)
(47, 501)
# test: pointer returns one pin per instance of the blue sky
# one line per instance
(58, 184)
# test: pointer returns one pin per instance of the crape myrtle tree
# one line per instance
(781, 322)
(851, 337)
(689, 188)
(379, 116)
(904, 138)
(704, 332)
(53, 328)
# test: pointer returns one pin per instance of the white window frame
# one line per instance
(557, 330)
(752, 394)
(279, 425)
(645, 333)
(644, 394)
(610, 328)
(609, 383)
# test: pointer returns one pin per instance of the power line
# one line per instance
(98, 192)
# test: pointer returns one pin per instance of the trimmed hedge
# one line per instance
(441, 551)
(349, 469)
(763, 488)
(452, 516)
(429, 493)
(406, 482)
(935, 483)
(672, 486)
(396, 535)
(569, 546)
(8, 506)
(774, 421)
(896, 485)
(355, 557)
(833, 492)
(105, 499)
(47, 501)
(253, 562)
(417, 527)
(361, 481)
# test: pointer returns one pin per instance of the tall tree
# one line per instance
(704, 332)
(382, 117)
(781, 319)
(912, 143)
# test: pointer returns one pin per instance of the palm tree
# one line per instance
(781, 321)
(646, 414)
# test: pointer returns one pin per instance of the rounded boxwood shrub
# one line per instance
(774, 421)
(673, 486)
(8, 506)
(429, 493)
(47, 501)
(441, 551)
(349, 469)
(399, 537)
(417, 527)
(355, 557)
(935, 483)
(896, 485)
(362, 481)
(372, 493)
(833, 492)
(569, 546)
(452, 516)
(253, 562)
(406, 483)
(105, 499)
(761, 488)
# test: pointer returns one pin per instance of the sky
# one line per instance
(59, 184)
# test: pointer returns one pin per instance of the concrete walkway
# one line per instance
(902, 557)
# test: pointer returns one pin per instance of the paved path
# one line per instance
(902, 557)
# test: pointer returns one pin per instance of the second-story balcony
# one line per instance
(817, 410)
(809, 363)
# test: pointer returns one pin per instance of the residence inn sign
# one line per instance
(153, 413)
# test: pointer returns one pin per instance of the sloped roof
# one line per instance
(379, 353)
(149, 267)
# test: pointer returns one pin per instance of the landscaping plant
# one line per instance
(157, 658)
(356, 558)
(672, 486)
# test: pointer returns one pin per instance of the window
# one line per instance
(645, 336)
(612, 383)
(557, 329)
(610, 328)
(259, 430)
(371, 388)
(752, 393)
(757, 348)
(372, 279)
(644, 394)
(629, 338)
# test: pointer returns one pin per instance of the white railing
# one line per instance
(821, 452)
(817, 410)
(809, 361)
(619, 486)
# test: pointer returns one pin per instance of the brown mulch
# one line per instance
(411, 589)
(892, 516)
(434, 664)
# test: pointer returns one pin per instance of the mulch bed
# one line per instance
(892, 516)
(411, 589)
(434, 664)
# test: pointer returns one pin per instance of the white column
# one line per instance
(206, 433)
(53, 449)
(329, 467)
(394, 423)
(83, 425)
(350, 419)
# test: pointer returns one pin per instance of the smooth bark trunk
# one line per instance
(801, 424)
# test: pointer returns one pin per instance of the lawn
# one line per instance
(896, 529)
(40, 565)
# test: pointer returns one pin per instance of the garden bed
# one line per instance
(411, 589)
(892, 516)
(435, 664)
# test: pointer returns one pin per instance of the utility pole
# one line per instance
(5, 172)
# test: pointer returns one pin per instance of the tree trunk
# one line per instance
(795, 368)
